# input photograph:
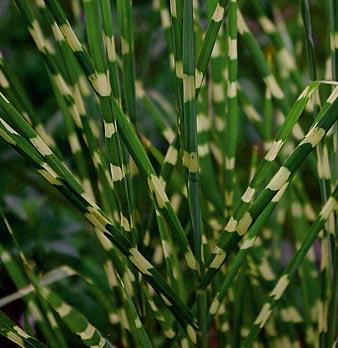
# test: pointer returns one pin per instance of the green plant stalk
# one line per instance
(118, 166)
(324, 183)
(125, 292)
(125, 23)
(74, 95)
(333, 302)
(169, 237)
(75, 77)
(24, 146)
(55, 275)
(261, 63)
(202, 126)
(268, 120)
(285, 59)
(155, 113)
(128, 134)
(109, 44)
(308, 267)
(237, 262)
(207, 171)
(239, 309)
(19, 98)
(75, 321)
(14, 333)
(284, 280)
(170, 256)
(208, 43)
(176, 13)
(263, 171)
(232, 112)
(93, 214)
(114, 149)
(238, 228)
(169, 253)
(262, 275)
(163, 317)
(161, 7)
(219, 73)
(120, 306)
(309, 43)
(73, 140)
(50, 326)
(46, 48)
(190, 151)
(189, 126)
(141, 337)
(31, 302)
(249, 110)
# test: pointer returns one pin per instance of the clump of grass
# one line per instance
(186, 223)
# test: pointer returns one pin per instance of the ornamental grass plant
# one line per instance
(168, 173)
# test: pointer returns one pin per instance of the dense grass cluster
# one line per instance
(176, 196)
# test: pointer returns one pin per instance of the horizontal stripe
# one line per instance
(70, 37)
(218, 13)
